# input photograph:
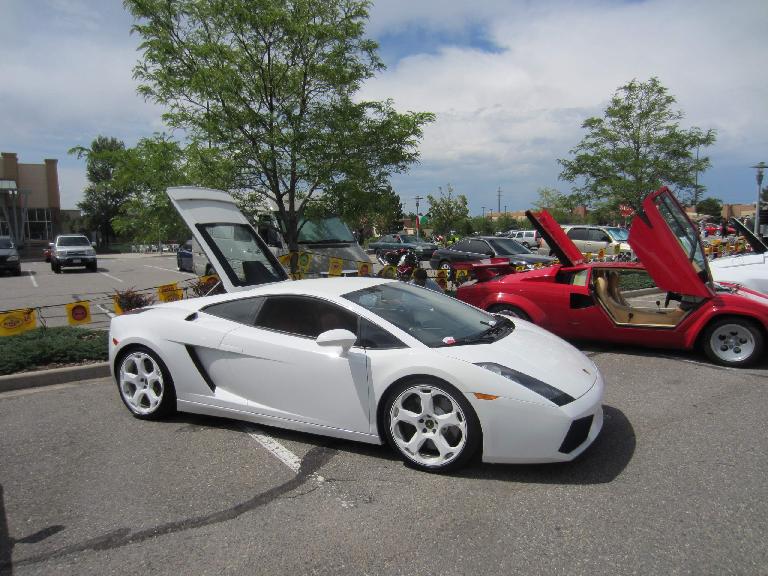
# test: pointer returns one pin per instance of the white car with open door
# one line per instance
(750, 269)
(365, 359)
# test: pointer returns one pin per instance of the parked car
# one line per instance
(365, 359)
(529, 238)
(592, 239)
(589, 301)
(71, 250)
(389, 242)
(749, 269)
(184, 261)
(9, 256)
(479, 247)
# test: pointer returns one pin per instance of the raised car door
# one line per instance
(237, 253)
(285, 374)
(668, 245)
(562, 246)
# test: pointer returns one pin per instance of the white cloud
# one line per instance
(520, 108)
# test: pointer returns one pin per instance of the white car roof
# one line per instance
(322, 287)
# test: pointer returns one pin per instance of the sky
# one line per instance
(510, 82)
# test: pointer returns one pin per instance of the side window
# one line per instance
(577, 234)
(597, 235)
(242, 310)
(375, 337)
(304, 316)
(462, 246)
(478, 247)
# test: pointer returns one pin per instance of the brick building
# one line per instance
(30, 206)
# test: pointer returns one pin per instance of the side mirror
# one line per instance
(337, 337)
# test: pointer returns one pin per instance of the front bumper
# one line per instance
(10, 265)
(70, 261)
(515, 432)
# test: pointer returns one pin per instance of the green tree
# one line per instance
(271, 84)
(556, 203)
(446, 211)
(102, 198)
(637, 146)
(711, 207)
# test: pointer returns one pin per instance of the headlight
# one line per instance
(534, 385)
(13, 258)
(90, 252)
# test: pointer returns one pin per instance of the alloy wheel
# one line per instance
(428, 426)
(141, 383)
(732, 343)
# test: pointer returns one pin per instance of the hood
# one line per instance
(668, 245)
(535, 352)
(562, 246)
(758, 246)
(740, 260)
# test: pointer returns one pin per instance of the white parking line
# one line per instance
(110, 276)
(278, 450)
(107, 312)
(32, 277)
(169, 270)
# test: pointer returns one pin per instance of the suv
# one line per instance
(9, 256)
(592, 239)
(528, 238)
(72, 250)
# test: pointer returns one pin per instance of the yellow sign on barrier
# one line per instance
(588, 256)
(79, 313)
(17, 321)
(601, 254)
(335, 266)
(462, 276)
(616, 250)
(364, 269)
(285, 259)
(116, 305)
(305, 259)
(388, 272)
(442, 278)
(169, 292)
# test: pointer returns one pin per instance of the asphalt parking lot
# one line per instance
(674, 485)
(38, 286)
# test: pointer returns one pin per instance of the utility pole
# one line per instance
(498, 196)
(483, 211)
(760, 167)
(418, 222)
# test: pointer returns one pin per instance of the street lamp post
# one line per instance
(760, 167)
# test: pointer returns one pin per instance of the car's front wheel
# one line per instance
(431, 425)
(145, 384)
(56, 267)
(733, 342)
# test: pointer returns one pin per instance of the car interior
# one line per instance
(608, 291)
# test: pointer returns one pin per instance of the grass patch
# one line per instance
(52, 347)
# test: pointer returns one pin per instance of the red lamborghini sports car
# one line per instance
(616, 301)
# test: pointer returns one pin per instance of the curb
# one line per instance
(54, 376)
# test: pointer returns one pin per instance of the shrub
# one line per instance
(131, 299)
(43, 347)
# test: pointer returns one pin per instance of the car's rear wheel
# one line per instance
(145, 384)
(92, 267)
(509, 310)
(431, 425)
(733, 341)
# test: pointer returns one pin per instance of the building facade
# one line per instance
(30, 205)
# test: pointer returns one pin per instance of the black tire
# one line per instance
(727, 341)
(55, 267)
(509, 310)
(167, 402)
(92, 267)
(17, 272)
(471, 437)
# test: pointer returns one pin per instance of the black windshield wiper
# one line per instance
(491, 334)
(325, 241)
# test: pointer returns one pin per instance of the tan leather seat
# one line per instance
(618, 311)
(623, 313)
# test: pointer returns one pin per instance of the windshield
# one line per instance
(6, 243)
(432, 318)
(685, 231)
(325, 230)
(241, 253)
(411, 239)
(507, 246)
(74, 241)
(618, 234)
